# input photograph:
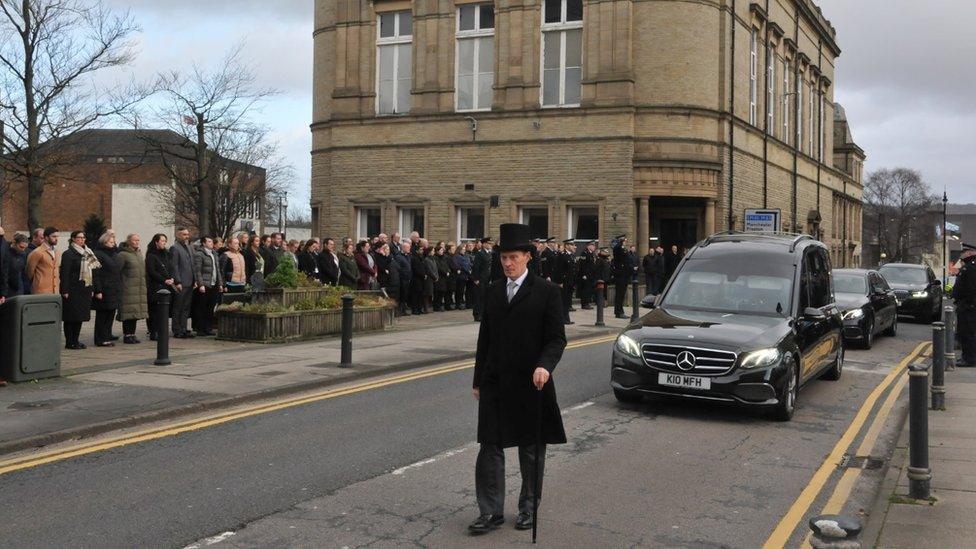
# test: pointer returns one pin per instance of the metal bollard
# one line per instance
(919, 473)
(346, 360)
(600, 302)
(162, 328)
(635, 301)
(950, 338)
(938, 365)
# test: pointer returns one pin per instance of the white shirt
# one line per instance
(518, 284)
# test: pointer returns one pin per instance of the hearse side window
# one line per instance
(818, 271)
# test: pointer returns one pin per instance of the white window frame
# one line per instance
(395, 40)
(561, 28)
(400, 228)
(524, 219)
(787, 69)
(460, 211)
(799, 112)
(770, 90)
(477, 34)
(812, 141)
(753, 76)
(570, 218)
(360, 220)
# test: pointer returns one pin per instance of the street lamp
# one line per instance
(282, 213)
(945, 249)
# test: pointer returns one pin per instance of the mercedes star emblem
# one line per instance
(685, 361)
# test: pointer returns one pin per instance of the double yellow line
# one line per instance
(784, 530)
(174, 429)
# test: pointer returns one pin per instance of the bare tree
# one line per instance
(214, 167)
(49, 50)
(897, 207)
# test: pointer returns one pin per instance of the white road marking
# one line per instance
(210, 541)
(578, 407)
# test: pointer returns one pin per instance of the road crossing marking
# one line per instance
(34, 460)
(784, 530)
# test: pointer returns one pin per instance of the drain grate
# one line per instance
(861, 462)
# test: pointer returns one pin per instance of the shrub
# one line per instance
(285, 275)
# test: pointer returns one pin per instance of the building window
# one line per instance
(394, 58)
(753, 75)
(470, 223)
(770, 90)
(584, 223)
(475, 56)
(411, 219)
(787, 69)
(799, 113)
(538, 221)
(562, 53)
(367, 222)
(811, 114)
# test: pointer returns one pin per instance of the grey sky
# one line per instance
(904, 76)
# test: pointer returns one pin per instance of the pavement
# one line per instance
(105, 389)
(949, 521)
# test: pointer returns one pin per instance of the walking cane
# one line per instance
(535, 481)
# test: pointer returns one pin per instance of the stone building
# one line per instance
(582, 118)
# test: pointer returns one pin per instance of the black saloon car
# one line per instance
(867, 304)
(746, 318)
(918, 291)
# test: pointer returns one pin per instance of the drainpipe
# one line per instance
(766, 113)
(731, 215)
(796, 110)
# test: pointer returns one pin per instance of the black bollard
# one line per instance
(635, 300)
(162, 328)
(919, 473)
(950, 338)
(600, 302)
(346, 360)
(938, 366)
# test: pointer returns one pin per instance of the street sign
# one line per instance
(762, 221)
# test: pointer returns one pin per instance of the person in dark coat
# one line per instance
(418, 280)
(432, 279)
(4, 267)
(405, 271)
(442, 281)
(480, 275)
(308, 259)
(585, 281)
(366, 265)
(348, 270)
(520, 342)
(329, 263)
(388, 271)
(671, 261)
(77, 272)
(181, 257)
(564, 276)
(17, 283)
(159, 276)
(602, 272)
(107, 290)
(623, 270)
(647, 267)
(964, 295)
(462, 265)
(208, 282)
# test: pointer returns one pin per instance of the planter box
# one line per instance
(282, 327)
(288, 297)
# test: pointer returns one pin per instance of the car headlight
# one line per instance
(627, 346)
(922, 293)
(852, 314)
(760, 358)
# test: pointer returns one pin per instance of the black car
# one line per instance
(918, 291)
(746, 318)
(867, 304)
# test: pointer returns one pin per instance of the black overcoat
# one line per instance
(107, 280)
(77, 308)
(515, 339)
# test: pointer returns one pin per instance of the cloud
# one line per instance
(904, 79)
(190, 10)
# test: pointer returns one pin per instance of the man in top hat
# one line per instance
(964, 294)
(521, 340)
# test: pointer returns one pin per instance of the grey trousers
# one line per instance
(181, 309)
(489, 478)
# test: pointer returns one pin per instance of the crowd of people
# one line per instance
(122, 281)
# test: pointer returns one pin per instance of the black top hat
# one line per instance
(514, 237)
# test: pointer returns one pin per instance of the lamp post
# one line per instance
(282, 213)
(945, 250)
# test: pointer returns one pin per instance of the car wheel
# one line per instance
(833, 374)
(892, 330)
(867, 339)
(787, 400)
(627, 397)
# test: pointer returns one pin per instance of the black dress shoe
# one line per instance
(524, 521)
(152, 337)
(130, 340)
(587, 308)
(486, 523)
(105, 344)
(113, 338)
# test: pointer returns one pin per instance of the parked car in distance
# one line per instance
(867, 304)
(918, 290)
(747, 318)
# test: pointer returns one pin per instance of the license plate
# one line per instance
(684, 382)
